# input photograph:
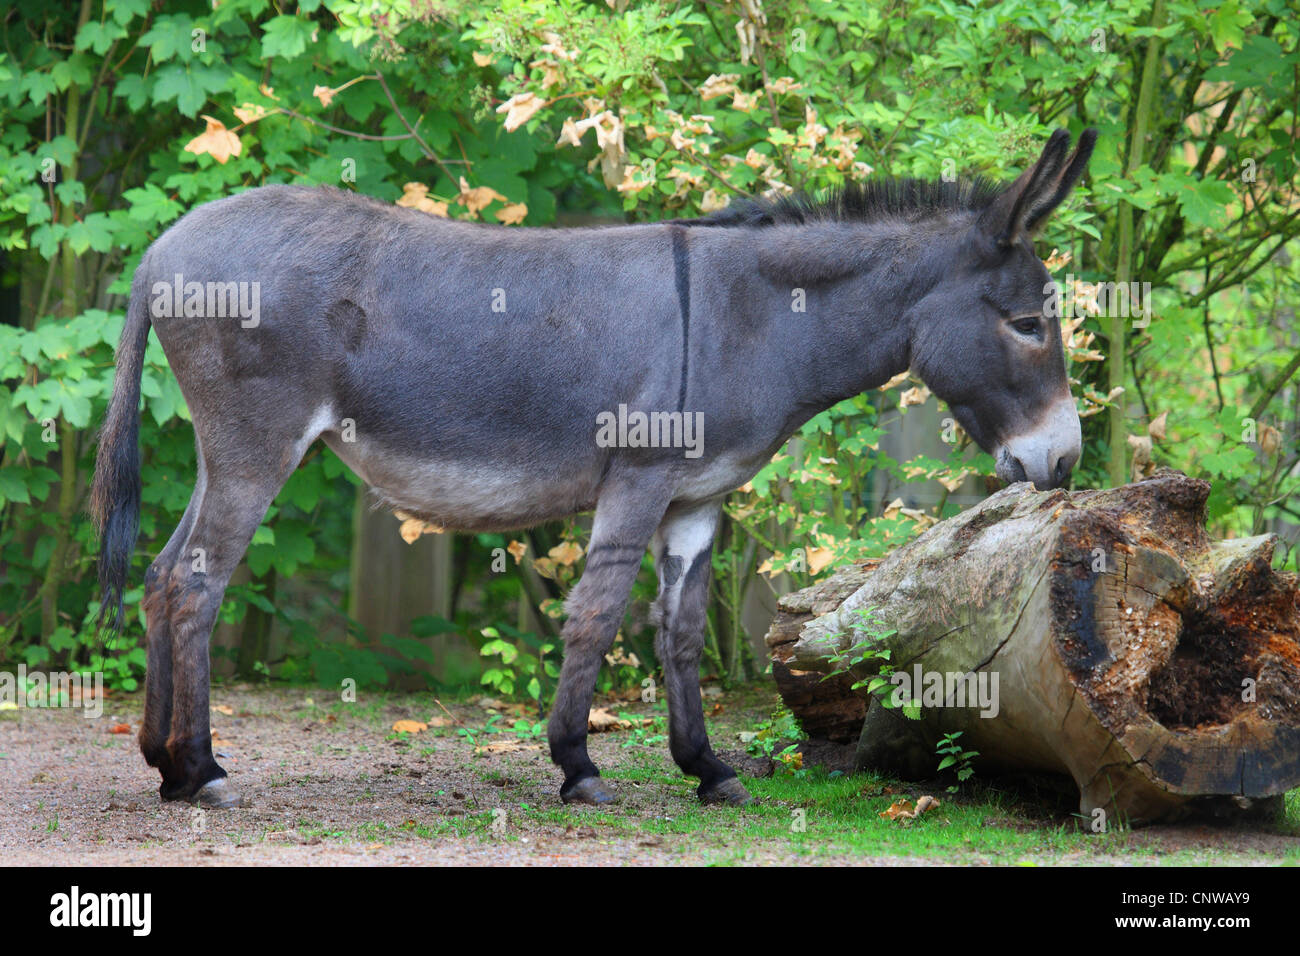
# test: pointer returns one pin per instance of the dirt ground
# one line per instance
(329, 783)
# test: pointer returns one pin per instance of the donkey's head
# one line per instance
(985, 340)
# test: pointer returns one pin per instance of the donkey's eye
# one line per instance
(1026, 325)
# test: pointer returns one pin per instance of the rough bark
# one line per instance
(1156, 667)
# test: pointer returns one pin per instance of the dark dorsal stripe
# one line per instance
(682, 273)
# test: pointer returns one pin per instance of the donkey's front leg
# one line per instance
(683, 547)
(626, 516)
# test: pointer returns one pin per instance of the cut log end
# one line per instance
(1161, 670)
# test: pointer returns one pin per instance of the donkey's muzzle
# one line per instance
(1047, 453)
(1011, 469)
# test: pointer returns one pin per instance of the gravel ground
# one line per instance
(333, 785)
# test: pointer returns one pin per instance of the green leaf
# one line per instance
(286, 36)
(149, 204)
(189, 85)
(1204, 202)
(13, 487)
(98, 37)
(170, 36)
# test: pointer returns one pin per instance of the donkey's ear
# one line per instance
(1031, 198)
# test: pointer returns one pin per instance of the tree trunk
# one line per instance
(1115, 641)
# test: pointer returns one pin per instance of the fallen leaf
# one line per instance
(600, 720)
(719, 85)
(914, 396)
(224, 709)
(904, 811)
(566, 553)
(416, 196)
(409, 727)
(1142, 463)
(507, 746)
(1057, 260)
(412, 527)
(570, 134)
(478, 198)
(818, 558)
(713, 201)
(250, 112)
(516, 549)
(120, 729)
(217, 141)
(1157, 427)
(512, 214)
(953, 482)
(519, 109)
(894, 382)
(550, 72)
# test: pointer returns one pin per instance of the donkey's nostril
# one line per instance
(1062, 470)
(1017, 470)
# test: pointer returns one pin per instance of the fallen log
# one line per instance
(1099, 634)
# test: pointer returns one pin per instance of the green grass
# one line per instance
(840, 814)
(841, 819)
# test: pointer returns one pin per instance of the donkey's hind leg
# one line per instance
(683, 547)
(156, 725)
(626, 515)
(233, 502)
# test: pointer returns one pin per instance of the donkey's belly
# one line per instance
(466, 495)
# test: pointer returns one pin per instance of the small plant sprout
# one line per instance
(952, 755)
(869, 651)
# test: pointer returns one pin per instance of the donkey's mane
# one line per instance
(874, 200)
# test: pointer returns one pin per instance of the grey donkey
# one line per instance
(469, 374)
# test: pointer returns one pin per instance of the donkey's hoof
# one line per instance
(730, 792)
(219, 795)
(589, 790)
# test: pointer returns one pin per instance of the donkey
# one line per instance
(464, 372)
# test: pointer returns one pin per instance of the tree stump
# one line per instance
(1118, 643)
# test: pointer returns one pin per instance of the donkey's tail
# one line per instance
(115, 495)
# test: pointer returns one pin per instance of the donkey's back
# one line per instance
(459, 369)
